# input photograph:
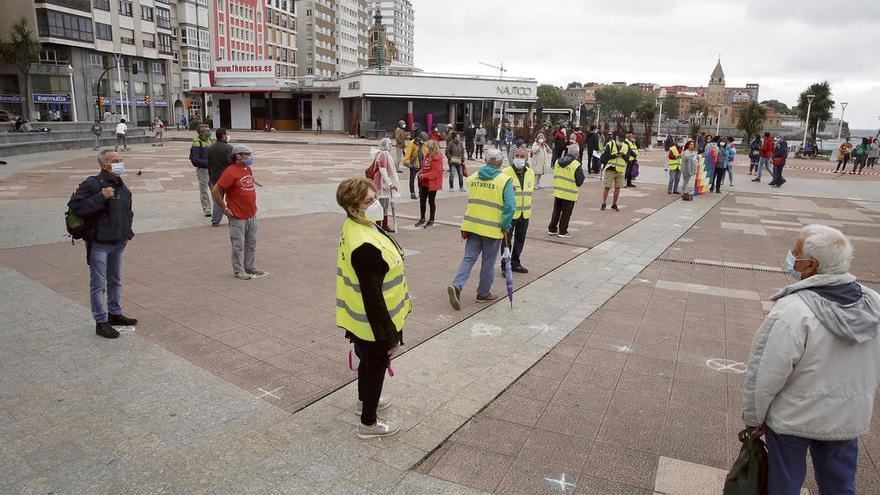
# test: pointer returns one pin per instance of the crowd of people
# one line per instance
(865, 155)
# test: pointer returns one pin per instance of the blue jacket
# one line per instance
(198, 152)
(488, 172)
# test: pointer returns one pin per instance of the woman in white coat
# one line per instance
(387, 182)
(541, 156)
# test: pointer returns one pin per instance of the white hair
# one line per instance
(494, 156)
(102, 155)
(384, 144)
(829, 247)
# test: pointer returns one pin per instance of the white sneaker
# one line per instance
(383, 405)
(380, 429)
(244, 276)
(257, 274)
(565, 235)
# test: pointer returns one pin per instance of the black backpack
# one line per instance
(79, 227)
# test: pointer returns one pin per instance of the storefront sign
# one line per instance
(514, 90)
(249, 69)
(51, 98)
(10, 98)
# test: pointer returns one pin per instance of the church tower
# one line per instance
(715, 91)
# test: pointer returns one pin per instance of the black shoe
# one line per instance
(756, 180)
(602, 208)
(614, 207)
(429, 224)
(413, 196)
(675, 192)
(520, 269)
(122, 320)
(420, 223)
(106, 331)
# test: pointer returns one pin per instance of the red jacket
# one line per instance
(767, 148)
(436, 136)
(580, 137)
(431, 175)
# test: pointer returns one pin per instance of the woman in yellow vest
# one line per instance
(674, 166)
(372, 301)
(568, 176)
(523, 178)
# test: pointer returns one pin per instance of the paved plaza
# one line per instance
(618, 370)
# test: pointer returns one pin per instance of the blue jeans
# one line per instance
(216, 212)
(105, 275)
(834, 463)
(473, 247)
(764, 164)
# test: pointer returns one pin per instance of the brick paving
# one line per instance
(631, 385)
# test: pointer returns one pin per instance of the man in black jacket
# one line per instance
(198, 156)
(219, 157)
(592, 147)
(105, 202)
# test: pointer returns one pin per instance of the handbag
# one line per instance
(372, 170)
(748, 476)
(777, 160)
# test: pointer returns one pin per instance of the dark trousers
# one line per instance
(453, 171)
(412, 180)
(557, 154)
(843, 161)
(371, 376)
(479, 151)
(469, 148)
(429, 196)
(778, 179)
(518, 230)
(753, 165)
(593, 161)
(580, 153)
(859, 163)
(834, 464)
(562, 209)
(628, 173)
(718, 179)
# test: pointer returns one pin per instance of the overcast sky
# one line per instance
(783, 45)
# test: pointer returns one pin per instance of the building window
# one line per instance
(158, 90)
(61, 25)
(126, 36)
(146, 13)
(103, 31)
(163, 18)
(222, 53)
(158, 68)
(54, 57)
(164, 43)
(220, 6)
(102, 4)
(140, 65)
(96, 60)
(125, 8)
(176, 58)
(149, 40)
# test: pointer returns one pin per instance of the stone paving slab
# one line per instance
(645, 394)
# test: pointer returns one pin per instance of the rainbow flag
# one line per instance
(703, 177)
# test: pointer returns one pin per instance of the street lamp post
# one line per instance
(718, 120)
(840, 124)
(72, 92)
(598, 112)
(660, 116)
(807, 123)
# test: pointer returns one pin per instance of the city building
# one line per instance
(398, 17)
(331, 37)
(281, 37)
(382, 52)
(126, 41)
(195, 34)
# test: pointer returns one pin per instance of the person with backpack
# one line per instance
(103, 203)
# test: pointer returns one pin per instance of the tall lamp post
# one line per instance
(72, 92)
(598, 112)
(660, 116)
(807, 123)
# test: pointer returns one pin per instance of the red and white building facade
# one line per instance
(239, 27)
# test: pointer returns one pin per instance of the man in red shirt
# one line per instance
(240, 205)
(766, 155)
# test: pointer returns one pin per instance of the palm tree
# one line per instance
(21, 49)
(700, 108)
(751, 119)
(645, 113)
(820, 111)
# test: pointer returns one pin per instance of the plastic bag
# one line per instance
(748, 476)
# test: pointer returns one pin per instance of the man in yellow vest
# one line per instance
(674, 166)
(632, 161)
(568, 176)
(489, 214)
(616, 153)
(523, 180)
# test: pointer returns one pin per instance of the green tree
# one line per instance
(550, 96)
(621, 101)
(777, 105)
(751, 120)
(20, 49)
(671, 107)
(700, 108)
(645, 113)
(820, 111)
(574, 84)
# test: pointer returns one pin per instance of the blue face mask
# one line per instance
(248, 161)
(790, 260)
(117, 169)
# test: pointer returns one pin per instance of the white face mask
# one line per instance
(519, 162)
(374, 212)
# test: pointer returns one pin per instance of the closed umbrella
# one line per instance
(507, 269)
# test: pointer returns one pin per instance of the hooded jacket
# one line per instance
(815, 362)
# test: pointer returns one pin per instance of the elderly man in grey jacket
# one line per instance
(814, 367)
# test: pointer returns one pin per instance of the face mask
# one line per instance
(540, 141)
(117, 169)
(519, 162)
(790, 260)
(248, 161)
(374, 212)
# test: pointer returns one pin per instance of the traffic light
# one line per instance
(100, 101)
(147, 100)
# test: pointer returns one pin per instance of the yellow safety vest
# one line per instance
(564, 186)
(674, 163)
(618, 163)
(485, 206)
(350, 312)
(523, 192)
(633, 147)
